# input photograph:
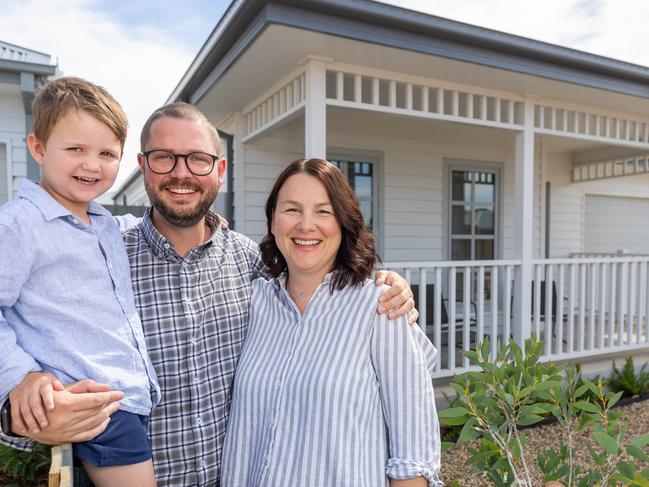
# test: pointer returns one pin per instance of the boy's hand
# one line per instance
(398, 300)
(28, 400)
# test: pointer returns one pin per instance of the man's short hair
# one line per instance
(60, 96)
(182, 111)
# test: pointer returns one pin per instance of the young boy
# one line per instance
(66, 302)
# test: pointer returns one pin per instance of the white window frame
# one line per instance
(451, 165)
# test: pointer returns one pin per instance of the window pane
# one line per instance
(484, 221)
(461, 190)
(363, 186)
(361, 178)
(461, 249)
(461, 220)
(484, 249)
(485, 187)
(366, 210)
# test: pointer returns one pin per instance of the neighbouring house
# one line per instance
(507, 178)
(22, 72)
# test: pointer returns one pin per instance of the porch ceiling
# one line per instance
(279, 49)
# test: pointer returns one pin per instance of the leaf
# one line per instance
(453, 413)
(525, 391)
(614, 399)
(606, 442)
(640, 441)
(528, 419)
(636, 452)
(626, 470)
(468, 432)
(587, 406)
(640, 480)
(544, 386)
(484, 349)
(453, 421)
(458, 388)
(581, 390)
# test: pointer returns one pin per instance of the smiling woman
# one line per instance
(327, 392)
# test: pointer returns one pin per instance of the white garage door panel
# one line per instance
(615, 223)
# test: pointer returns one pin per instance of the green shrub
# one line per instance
(627, 380)
(514, 389)
(25, 468)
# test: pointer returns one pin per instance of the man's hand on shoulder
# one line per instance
(398, 300)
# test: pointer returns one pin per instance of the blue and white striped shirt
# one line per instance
(338, 396)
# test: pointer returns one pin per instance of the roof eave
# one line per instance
(215, 57)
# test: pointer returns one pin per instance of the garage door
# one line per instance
(614, 223)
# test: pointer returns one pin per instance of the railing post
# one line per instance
(524, 175)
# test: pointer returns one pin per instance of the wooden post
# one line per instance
(61, 468)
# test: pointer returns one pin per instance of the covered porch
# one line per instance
(475, 195)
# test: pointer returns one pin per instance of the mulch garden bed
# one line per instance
(634, 414)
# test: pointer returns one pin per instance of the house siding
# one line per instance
(12, 130)
(413, 194)
(568, 202)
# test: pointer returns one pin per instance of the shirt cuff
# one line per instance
(19, 443)
(402, 469)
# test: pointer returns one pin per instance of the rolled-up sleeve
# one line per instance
(403, 359)
(15, 363)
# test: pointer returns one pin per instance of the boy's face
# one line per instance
(79, 160)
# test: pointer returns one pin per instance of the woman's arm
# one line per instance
(401, 356)
(416, 482)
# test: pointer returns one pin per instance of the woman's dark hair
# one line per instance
(357, 255)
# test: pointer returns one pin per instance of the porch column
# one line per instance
(315, 112)
(238, 177)
(524, 225)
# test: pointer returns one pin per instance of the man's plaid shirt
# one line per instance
(194, 311)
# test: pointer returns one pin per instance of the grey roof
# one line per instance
(17, 58)
(393, 26)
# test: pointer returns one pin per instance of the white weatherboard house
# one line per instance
(494, 170)
(22, 71)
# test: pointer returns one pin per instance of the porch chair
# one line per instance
(459, 322)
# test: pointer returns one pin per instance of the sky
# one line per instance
(140, 49)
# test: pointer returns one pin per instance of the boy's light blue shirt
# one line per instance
(66, 301)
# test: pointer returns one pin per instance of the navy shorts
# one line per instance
(123, 442)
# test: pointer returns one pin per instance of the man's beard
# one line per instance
(184, 216)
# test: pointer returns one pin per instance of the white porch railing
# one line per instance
(579, 306)
(598, 305)
(460, 303)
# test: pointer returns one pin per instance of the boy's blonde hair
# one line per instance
(60, 96)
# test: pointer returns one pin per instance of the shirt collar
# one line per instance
(48, 206)
(163, 247)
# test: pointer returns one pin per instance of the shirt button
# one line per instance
(199, 421)
(196, 381)
(75, 221)
(166, 246)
